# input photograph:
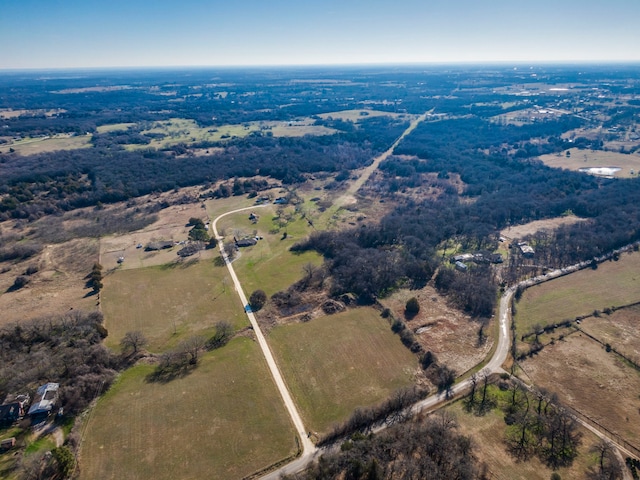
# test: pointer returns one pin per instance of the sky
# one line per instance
(46, 34)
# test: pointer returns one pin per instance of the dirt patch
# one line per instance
(591, 380)
(447, 332)
(520, 231)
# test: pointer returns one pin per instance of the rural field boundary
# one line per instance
(600, 430)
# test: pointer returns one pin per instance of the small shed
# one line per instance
(461, 267)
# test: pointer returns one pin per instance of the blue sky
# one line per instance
(132, 33)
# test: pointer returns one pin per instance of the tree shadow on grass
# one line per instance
(167, 372)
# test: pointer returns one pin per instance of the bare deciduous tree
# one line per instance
(133, 341)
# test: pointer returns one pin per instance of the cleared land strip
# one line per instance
(355, 186)
(308, 448)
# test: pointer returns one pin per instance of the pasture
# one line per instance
(268, 265)
(361, 114)
(33, 146)
(336, 363)
(595, 158)
(57, 286)
(114, 127)
(224, 420)
(580, 293)
(593, 381)
(168, 303)
(180, 130)
(619, 329)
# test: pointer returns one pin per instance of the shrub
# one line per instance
(257, 300)
(412, 307)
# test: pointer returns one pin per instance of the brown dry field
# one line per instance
(520, 231)
(587, 378)
(488, 432)
(619, 329)
(595, 158)
(171, 225)
(450, 334)
(58, 286)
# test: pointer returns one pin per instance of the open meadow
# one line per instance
(620, 329)
(57, 286)
(33, 146)
(549, 224)
(337, 363)
(597, 383)
(628, 163)
(580, 293)
(168, 303)
(224, 420)
(356, 115)
(268, 265)
(181, 130)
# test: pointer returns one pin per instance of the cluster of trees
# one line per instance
(474, 291)
(64, 349)
(185, 357)
(94, 281)
(428, 448)
(540, 426)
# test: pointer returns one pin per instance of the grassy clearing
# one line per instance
(520, 231)
(359, 114)
(595, 382)
(33, 146)
(337, 363)
(595, 158)
(619, 329)
(488, 432)
(580, 293)
(224, 420)
(170, 302)
(114, 127)
(269, 265)
(180, 130)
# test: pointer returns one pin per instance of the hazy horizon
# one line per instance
(90, 34)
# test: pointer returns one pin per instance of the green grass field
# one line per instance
(181, 130)
(170, 302)
(337, 363)
(224, 420)
(358, 114)
(33, 146)
(114, 127)
(580, 293)
(269, 265)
